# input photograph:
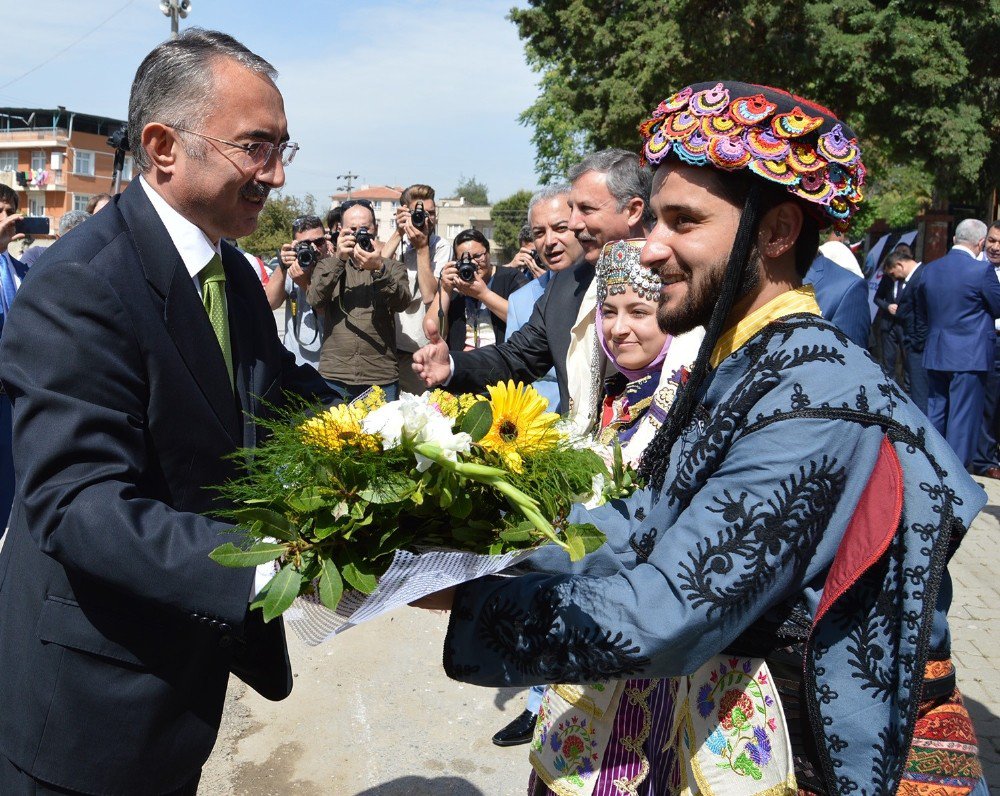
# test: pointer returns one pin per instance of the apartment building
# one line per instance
(57, 159)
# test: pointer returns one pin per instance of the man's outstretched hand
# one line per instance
(432, 362)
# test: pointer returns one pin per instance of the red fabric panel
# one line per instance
(874, 523)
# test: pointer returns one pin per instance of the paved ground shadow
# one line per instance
(986, 724)
(409, 786)
(505, 695)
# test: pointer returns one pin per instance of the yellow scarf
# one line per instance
(801, 299)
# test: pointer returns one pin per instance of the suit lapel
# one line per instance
(183, 312)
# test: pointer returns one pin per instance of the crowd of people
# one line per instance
(768, 615)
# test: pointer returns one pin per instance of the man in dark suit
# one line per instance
(609, 200)
(987, 457)
(905, 271)
(888, 324)
(842, 298)
(958, 300)
(137, 353)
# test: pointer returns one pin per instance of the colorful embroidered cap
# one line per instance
(618, 268)
(778, 136)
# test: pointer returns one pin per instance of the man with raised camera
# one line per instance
(424, 255)
(473, 296)
(358, 291)
(290, 286)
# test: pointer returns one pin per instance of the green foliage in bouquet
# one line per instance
(333, 493)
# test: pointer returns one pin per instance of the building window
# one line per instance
(83, 162)
(38, 161)
(127, 170)
(81, 200)
(487, 232)
(8, 161)
(453, 230)
(36, 207)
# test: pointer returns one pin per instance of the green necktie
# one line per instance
(213, 293)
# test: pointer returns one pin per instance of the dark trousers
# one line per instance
(955, 408)
(15, 782)
(987, 455)
(916, 374)
(893, 351)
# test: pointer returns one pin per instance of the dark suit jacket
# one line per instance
(842, 298)
(117, 632)
(532, 350)
(883, 298)
(504, 282)
(914, 327)
(958, 299)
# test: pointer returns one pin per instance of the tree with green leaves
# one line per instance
(472, 191)
(274, 225)
(917, 81)
(508, 216)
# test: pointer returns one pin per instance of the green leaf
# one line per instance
(283, 589)
(478, 420)
(515, 535)
(575, 547)
(462, 505)
(393, 488)
(364, 582)
(307, 500)
(590, 536)
(267, 523)
(331, 586)
(229, 555)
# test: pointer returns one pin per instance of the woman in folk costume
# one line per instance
(800, 509)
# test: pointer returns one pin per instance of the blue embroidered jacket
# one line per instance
(799, 443)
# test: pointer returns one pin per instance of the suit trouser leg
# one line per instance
(986, 455)
(15, 782)
(938, 385)
(917, 375)
(965, 412)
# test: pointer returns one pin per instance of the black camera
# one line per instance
(467, 269)
(306, 254)
(537, 258)
(363, 238)
(419, 216)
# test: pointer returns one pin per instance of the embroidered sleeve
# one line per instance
(670, 590)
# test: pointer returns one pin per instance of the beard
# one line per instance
(703, 291)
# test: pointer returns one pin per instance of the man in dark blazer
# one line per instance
(842, 298)
(888, 325)
(958, 300)
(609, 197)
(117, 632)
(908, 273)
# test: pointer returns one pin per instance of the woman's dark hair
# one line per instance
(467, 235)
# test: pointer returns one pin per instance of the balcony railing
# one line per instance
(35, 134)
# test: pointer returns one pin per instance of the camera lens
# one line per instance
(363, 238)
(466, 269)
(305, 254)
(419, 215)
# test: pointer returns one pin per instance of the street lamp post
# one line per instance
(176, 10)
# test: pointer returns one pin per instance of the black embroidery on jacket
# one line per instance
(644, 546)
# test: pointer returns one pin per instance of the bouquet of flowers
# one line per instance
(334, 493)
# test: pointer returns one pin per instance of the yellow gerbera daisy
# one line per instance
(521, 425)
(339, 427)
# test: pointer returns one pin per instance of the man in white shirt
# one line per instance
(424, 254)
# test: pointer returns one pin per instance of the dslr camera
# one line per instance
(306, 254)
(363, 238)
(419, 216)
(467, 269)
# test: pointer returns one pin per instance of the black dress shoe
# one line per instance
(518, 731)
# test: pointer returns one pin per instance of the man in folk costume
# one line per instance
(799, 510)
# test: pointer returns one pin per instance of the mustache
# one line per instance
(255, 191)
(585, 237)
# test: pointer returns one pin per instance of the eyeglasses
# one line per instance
(260, 152)
(481, 257)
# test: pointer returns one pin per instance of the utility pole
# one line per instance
(176, 10)
(349, 179)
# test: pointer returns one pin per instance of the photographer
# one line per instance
(359, 291)
(472, 295)
(289, 285)
(527, 260)
(424, 255)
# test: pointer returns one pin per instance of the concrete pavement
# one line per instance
(372, 713)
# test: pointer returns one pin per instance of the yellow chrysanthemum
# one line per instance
(521, 425)
(371, 400)
(453, 406)
(339, 427)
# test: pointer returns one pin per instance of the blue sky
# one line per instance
(394, 91)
